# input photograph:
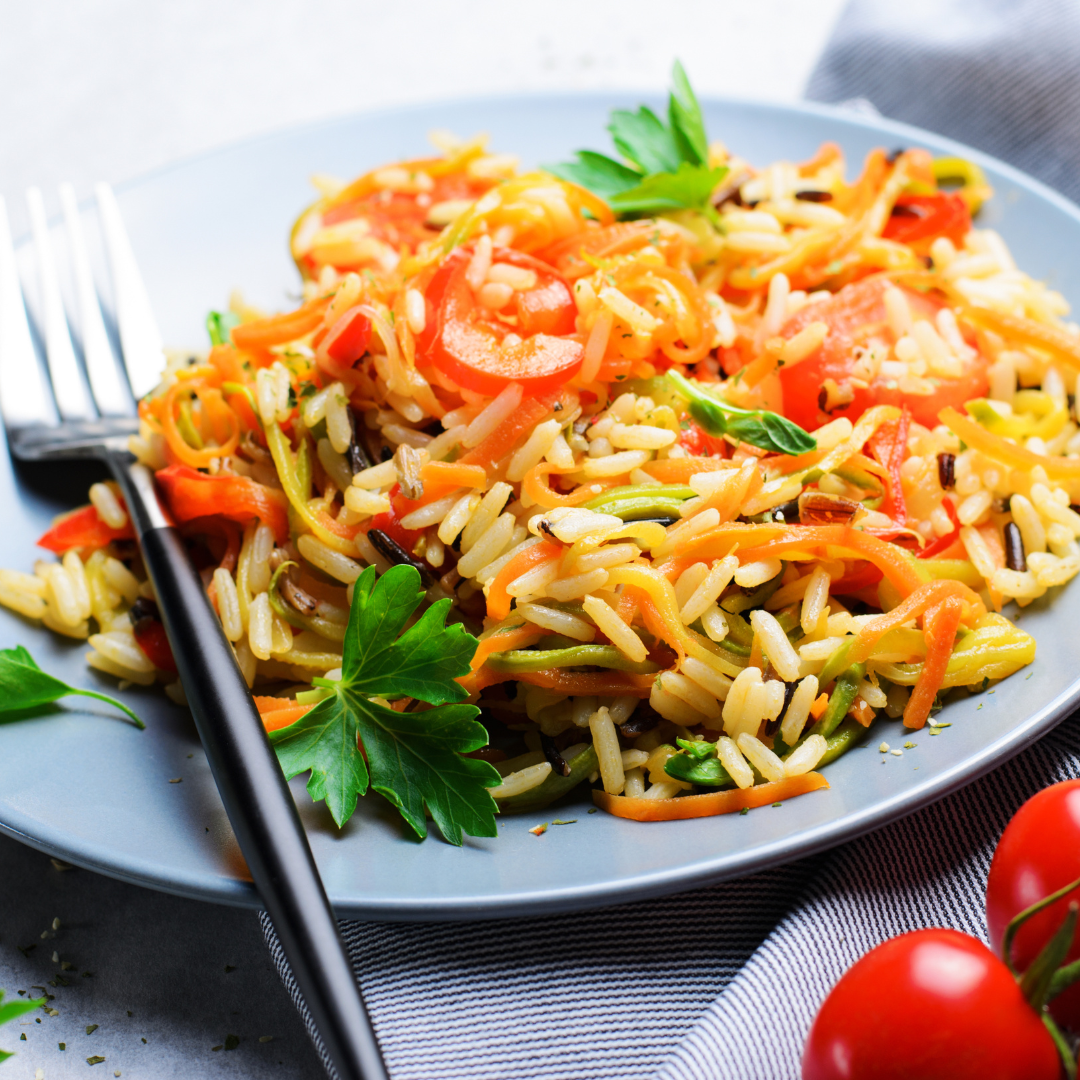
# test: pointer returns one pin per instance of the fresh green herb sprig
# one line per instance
(413, 758)
(666, 166)
(219, 326)
(696, 763)
(25, 687)
(758, 427)
(10, 1010)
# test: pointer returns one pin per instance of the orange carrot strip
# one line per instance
(520, 637)
(679, 470)
(535, 487)
(925, 597)
(940, 632)
(498, 603)
(502, 440)
(453, 474)
(1000, 449)
(279, 712)
(278, 329)
(710, 804)
(821, 703)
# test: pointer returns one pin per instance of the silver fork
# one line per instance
(89, 412)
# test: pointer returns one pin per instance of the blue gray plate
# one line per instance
(89, 788)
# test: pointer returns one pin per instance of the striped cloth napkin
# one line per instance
(723, 983)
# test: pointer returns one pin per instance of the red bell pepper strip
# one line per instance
(888, 445)
(192, 494)
(946, 541)
(83, 528)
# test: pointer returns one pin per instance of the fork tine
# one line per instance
(25, 399)
(106, 382)
(144, 354)
(69, 387)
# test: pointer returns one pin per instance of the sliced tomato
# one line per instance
(468, 343)
(855, 313)
(918, 220)
(83, 528)
(192, 494)
(397, 218)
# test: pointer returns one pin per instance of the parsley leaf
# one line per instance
(687, 123)
(758, 427)
(689, 185)
(413, 758)
(9, 1010)
(24, 686)
(667, 163)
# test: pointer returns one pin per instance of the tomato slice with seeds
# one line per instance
(854, 315)
(469, 343)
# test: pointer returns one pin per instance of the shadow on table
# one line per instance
(171, 984)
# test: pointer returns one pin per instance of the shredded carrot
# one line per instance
(453, 474)
(862, 712)
(821, 703)
(924, 598)
(679, 470)
(279, 329)
(498, 601)
(1000, 449)
(519, 637)
(940, 632)
(279, 712)
(535, 487)
(503, 439)
(711, 804)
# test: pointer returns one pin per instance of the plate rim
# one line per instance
(640, 886)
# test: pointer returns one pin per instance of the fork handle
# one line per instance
(252, 787)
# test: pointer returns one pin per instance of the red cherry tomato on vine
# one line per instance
(929, 1005)
(1038, 853)
(919, 220)
(469, 343)
(852, 314)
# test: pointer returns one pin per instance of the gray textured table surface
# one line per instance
(113, 89)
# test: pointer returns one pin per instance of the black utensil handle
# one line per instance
(256, 797)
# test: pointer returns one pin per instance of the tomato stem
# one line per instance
(1063, 978)
(1035, 982)
(1014, 924)
(1064, 1050)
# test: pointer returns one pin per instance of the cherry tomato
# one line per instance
(1038, 853)
(918, 220)
(468, 342)
(83, 528)
(929, 1005)
(853, 315)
